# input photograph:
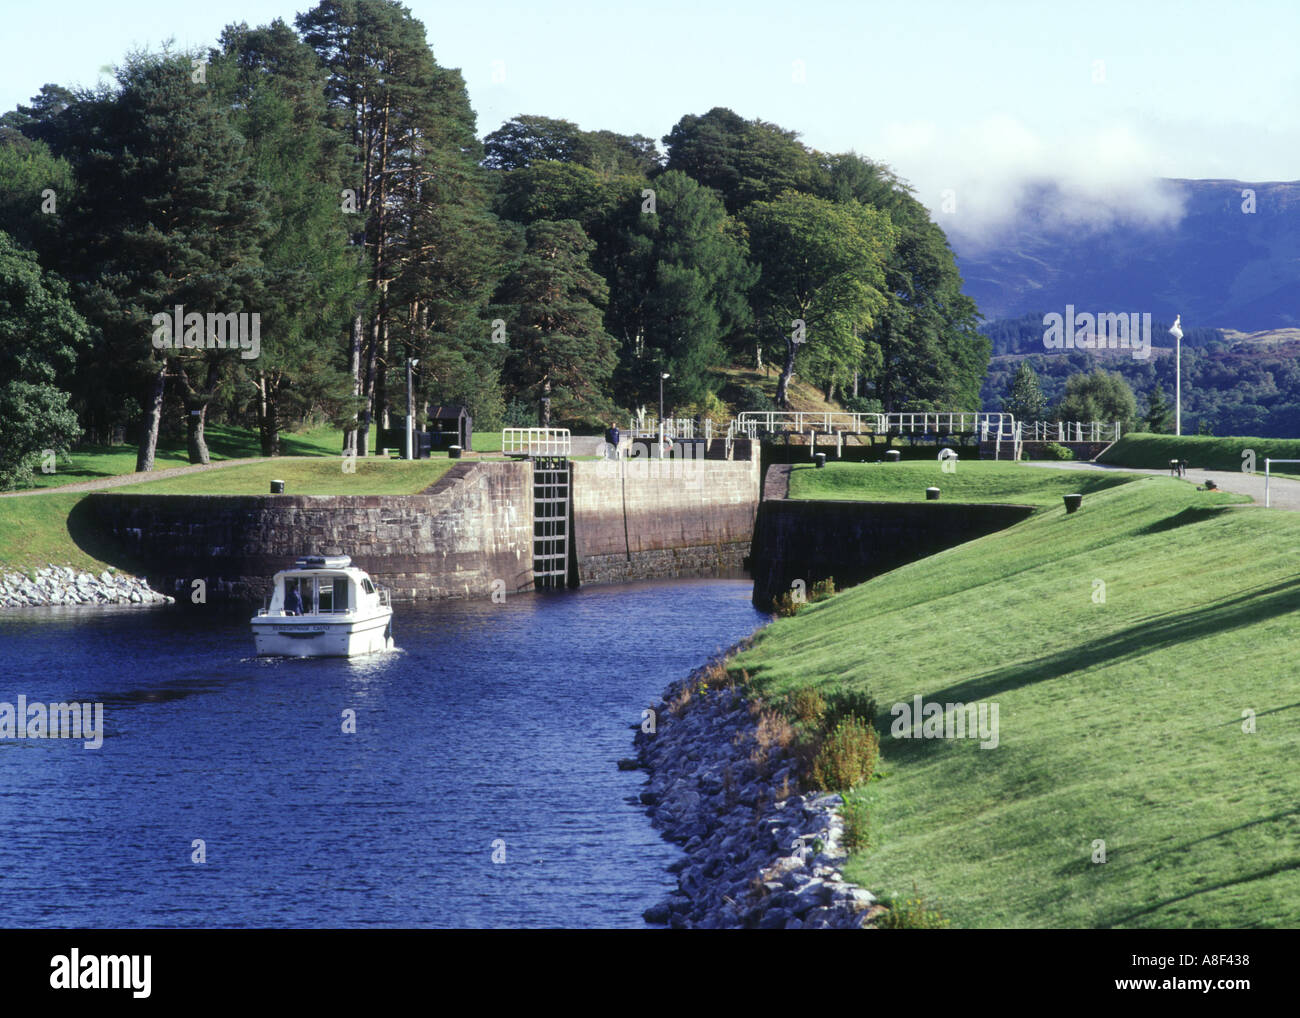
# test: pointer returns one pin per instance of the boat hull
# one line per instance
(314, 636)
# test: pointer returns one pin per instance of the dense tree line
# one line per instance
(270, 231)
(1228, 387)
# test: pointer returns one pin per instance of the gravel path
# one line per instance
(124, 479)
(1284, 493)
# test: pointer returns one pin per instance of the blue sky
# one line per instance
(973, 96)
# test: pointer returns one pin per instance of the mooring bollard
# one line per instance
(1072, 502)
(277, 487)
(820, 459)
(892, 455)
(454, 451)
(931, 494)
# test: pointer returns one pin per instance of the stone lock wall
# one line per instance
(854, 541)
(643, 519)
(630, 520)
(473, 527)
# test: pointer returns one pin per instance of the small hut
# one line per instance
(451, 425)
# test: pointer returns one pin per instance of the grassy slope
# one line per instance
(803, 396)
(970, 482)
(1202, 452)
(1118, 721)
(34, 534)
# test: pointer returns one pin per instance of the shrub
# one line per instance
(849, 703)
(773, 730)
(752, 399)
(862, 405)
(1055, 451)
(857, 823)
(821, 590)
(806, 705)
(911, 914)
(786, 605)
(847, 756)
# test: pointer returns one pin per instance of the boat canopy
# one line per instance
(324, 562)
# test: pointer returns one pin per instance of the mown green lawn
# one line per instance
(224, 443)
(969, 481)
(305, 476)
(55, 529)
(1119, 720)
(91, 463)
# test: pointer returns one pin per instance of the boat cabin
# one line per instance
(323, 585)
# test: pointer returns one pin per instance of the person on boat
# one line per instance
(292, 601)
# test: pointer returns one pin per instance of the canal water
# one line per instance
(480, 788)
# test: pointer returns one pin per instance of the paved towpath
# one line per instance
(1284, 493)
(123, 479)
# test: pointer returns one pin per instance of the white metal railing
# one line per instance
(673, 427)
(752, 423)
(948, 422)
(1071, 431)
(536, 442)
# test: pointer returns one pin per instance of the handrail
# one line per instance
(536, 442)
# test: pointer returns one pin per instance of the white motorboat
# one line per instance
(324, 607)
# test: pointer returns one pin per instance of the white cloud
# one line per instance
(996, 170)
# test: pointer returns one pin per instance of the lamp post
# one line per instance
(410, 411)
(1177, 332)
(663, 376)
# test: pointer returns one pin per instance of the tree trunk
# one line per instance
(152, 418)
(856, 378)
(268, 414)
(368, 393)
(544, 408)
(381, 381)
(787, 371)
(354, 366)
(194, 422)
(830, 390)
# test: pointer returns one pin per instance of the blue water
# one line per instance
(491, 724)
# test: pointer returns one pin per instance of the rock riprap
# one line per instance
(758, 853)
(63, 585)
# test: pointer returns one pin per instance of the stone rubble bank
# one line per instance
(757, 856)
(62, 585)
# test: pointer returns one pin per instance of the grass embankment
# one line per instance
(93, 462)
(34, 534)
(979, 481)
(304, 476)
(1119, 720)
(1202, 452)
(55, 529)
